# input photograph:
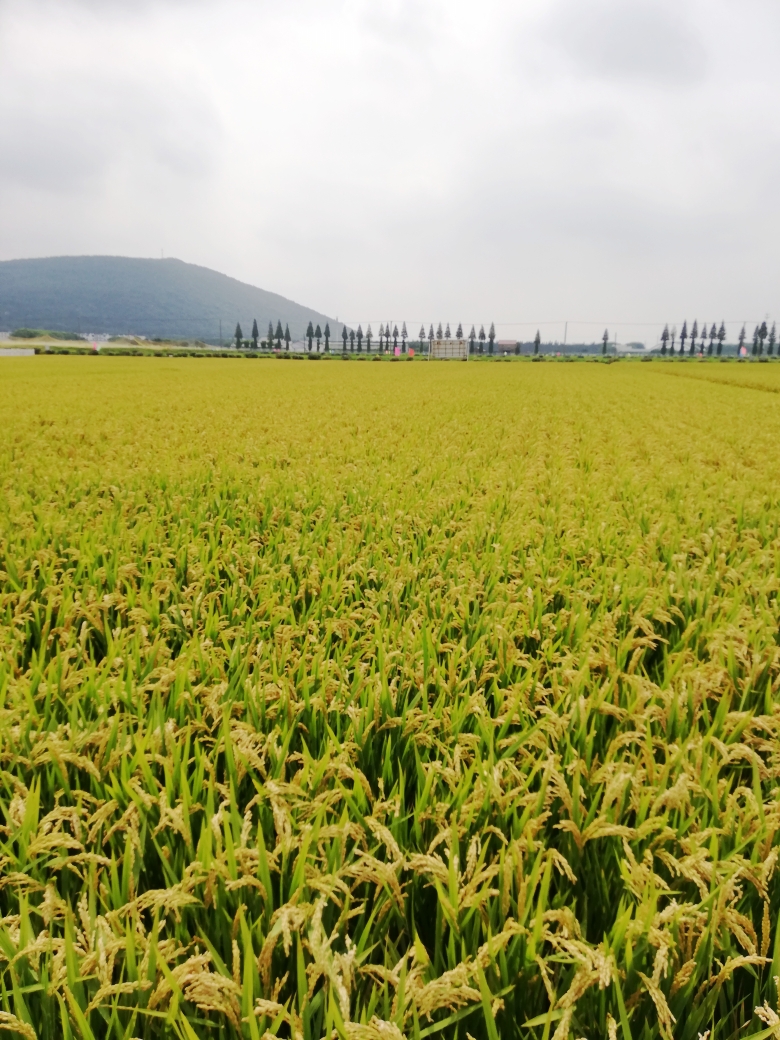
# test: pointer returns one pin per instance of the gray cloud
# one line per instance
(641, 40)
(67, 135)
(507, 162)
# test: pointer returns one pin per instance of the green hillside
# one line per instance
(117, 295)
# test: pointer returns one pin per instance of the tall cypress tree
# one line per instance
(683, 337)
(255, 334)
(605, 340)
(287, 337)
(472, 337)
(344, 339)
(537, 342)
(481, 339)
(762, 335)
(360, 338)
(694, 335)
(664, 339)
(369, 335)
(239, 336)
(459, 331)
(279, 335)
(742, 337)
(318, 337)
(309, 334)
(772, 339)
(721, 337)
(492, 337)
(327, 338)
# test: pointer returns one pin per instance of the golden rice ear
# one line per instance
(666, 1019)
(769, 1017)
(16, 1025)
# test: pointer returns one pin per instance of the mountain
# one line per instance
(123, 295)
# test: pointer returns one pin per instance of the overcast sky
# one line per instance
(605, 161)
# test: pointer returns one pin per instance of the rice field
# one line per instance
(373, 701)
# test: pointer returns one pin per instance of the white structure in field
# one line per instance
(449, 348)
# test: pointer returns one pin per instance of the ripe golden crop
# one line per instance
(374, 700)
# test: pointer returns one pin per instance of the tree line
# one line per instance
(708, 338)
(254, 340)
(479, 342)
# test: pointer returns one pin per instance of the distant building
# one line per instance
(449, 348)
